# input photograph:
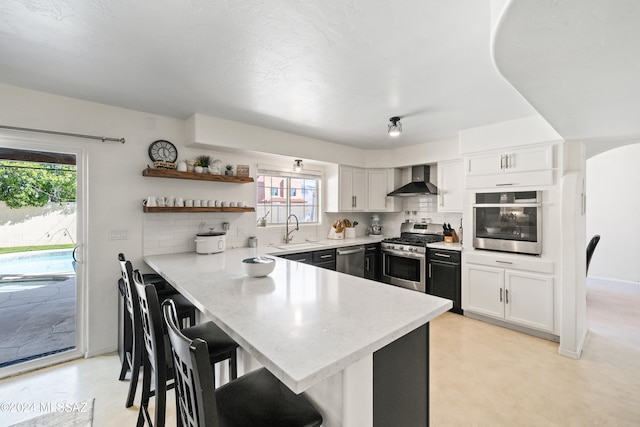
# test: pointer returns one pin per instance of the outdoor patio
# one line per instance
(37, 316)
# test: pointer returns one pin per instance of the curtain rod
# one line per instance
(77, 135)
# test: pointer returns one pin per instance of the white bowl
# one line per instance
(258, 266)
(493, 230)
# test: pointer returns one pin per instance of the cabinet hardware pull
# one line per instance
(503, 185)
(503, 262)
(506, 296)
(442, 255)
(326, 256)
(300, 260)
(500, 294)
(429, 270)
(366, 264)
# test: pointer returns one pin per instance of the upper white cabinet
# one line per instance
(380, 182)
(450, 185)
(346, 189)
(515, 167)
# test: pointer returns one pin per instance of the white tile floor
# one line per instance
(481, 375)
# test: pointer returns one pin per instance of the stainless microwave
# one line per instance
(508, 222)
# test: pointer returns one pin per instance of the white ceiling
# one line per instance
(578, 63)
(334, 70)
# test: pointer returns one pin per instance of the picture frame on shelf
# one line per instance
(242, 170)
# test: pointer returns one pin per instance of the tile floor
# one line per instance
(38, 316)
(482, 375)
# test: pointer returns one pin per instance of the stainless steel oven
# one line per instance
(404, 258)
(404, 268)
(508, 222)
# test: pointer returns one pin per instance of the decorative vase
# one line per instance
(182, 166)
(214, 170)
(198, 169)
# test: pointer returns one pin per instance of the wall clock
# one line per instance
(163, 151)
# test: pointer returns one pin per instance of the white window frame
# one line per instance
(280, 172)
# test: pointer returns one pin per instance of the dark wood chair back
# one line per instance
(155, 362)
(193, 375)
(591, 247)
(131, 297)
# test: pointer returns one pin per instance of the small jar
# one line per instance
(253, 242)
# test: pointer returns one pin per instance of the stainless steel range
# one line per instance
(404, 258)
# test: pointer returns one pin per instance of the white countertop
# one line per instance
(448, 246)
(318, 245)
(302, 322)
(306, 246)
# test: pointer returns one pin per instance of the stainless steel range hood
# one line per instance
(419, 184)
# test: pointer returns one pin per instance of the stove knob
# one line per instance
(412, 249)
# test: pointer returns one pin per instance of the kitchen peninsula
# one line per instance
(359, 349)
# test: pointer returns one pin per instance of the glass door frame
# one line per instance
(36, 142)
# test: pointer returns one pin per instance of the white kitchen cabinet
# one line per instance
(516, 167)
(346, 189)
(381, 182)
(520, 297)
(450, 185)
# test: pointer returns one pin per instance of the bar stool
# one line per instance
(132, 359)
(255, 399)
(158, 363)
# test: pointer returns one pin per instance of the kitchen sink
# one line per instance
(300, 246)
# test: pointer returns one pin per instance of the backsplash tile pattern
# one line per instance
(167, 233)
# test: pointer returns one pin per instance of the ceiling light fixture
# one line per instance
(395, 127)
(297, 165)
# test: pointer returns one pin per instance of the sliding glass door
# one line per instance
(41, 290)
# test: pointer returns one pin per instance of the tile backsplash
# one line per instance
(166, 233)
(176, 232)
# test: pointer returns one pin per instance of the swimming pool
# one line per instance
(37, 262)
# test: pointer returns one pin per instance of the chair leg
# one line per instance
(161, 403)
(133, 384)
(125, 366)
(143, 413)
(233, 365)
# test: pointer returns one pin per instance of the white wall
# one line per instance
(52, 224)
(115, 184)
(613, 182)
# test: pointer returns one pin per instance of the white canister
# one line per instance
(211, 242)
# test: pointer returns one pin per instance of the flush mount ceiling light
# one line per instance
(297, 165)
(395, 127)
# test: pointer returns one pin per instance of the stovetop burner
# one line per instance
(415, 239)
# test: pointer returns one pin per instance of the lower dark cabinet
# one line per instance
(444, 276)
(325, 258)
(372, 261)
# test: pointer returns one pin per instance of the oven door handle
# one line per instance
(403, 254)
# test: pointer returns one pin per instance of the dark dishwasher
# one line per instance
(444, 276)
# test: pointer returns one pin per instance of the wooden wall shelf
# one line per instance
(207, 209)
(170, 173)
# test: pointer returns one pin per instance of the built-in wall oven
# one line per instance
(508, 222)
(404, 258)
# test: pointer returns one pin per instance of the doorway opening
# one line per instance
(38, 240)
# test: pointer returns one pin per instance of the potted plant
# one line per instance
(202, 163)
(229, 170)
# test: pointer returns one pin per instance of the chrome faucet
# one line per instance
(287, 239)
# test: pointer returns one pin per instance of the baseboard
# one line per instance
(578, 352)
(517, 328)
(101, 351)
(608, 279)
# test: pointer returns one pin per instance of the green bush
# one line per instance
(36, 184)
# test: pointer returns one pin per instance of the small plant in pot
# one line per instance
(202, 163)
(228, 170)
